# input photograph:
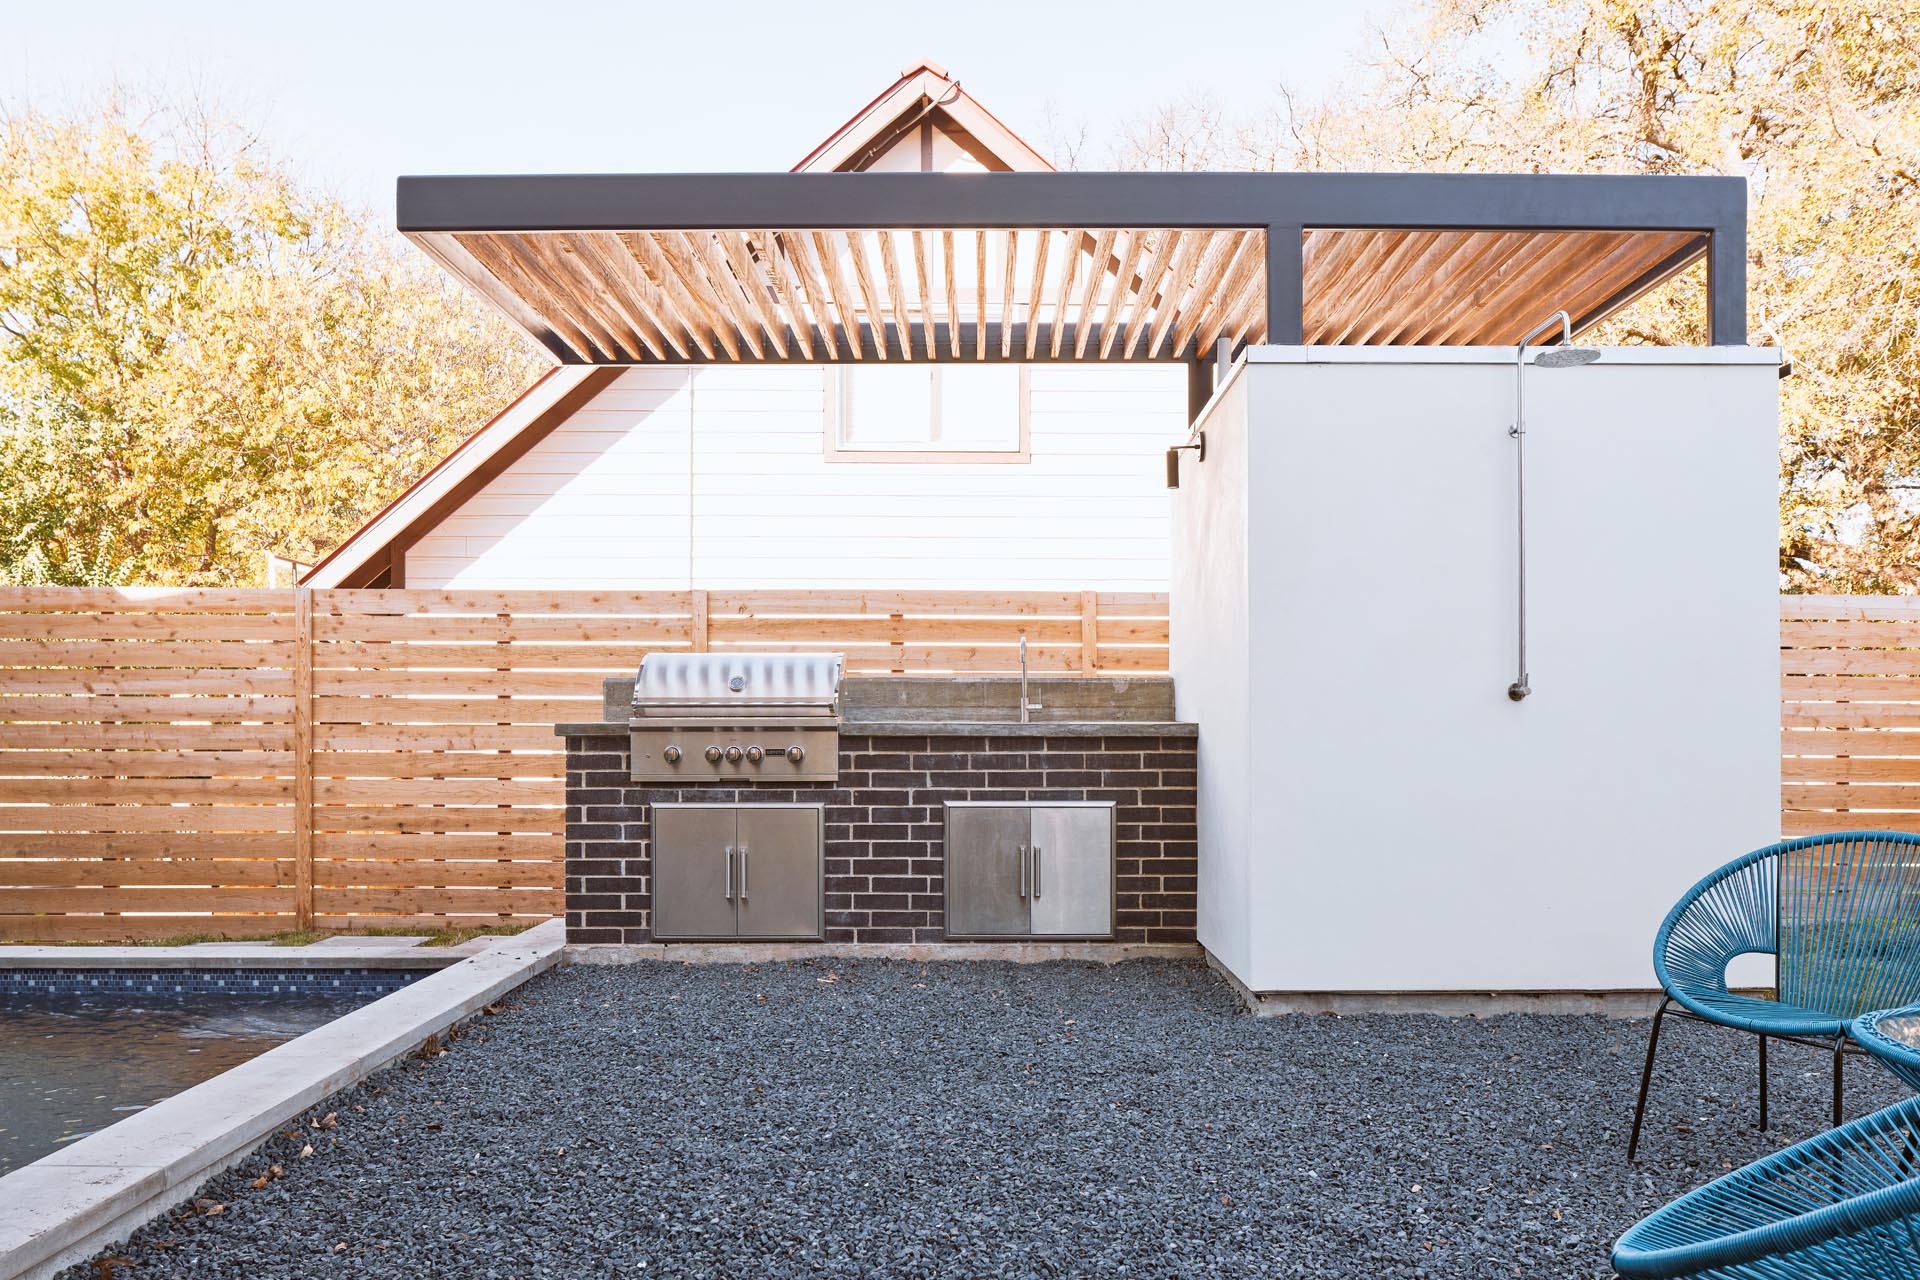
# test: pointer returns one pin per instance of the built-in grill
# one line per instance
(710, 717)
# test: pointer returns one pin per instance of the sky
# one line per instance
(357, 93)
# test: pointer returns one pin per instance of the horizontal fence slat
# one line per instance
(428, 873)
(146, 764)
(134, 626)
(408, 848)
(127, 791)
(358, 709)
(249, 600)
(133, 872)
(401, 818)
(137, 818)
(582, 684)
(164, 654)
(518, 629)
(117, 898)
(393, 655)
(435, 764)
(171, 845)
(161, 708)
(102, 680)
(516, 791)
(450, 901)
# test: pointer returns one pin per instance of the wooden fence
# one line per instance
(1849, 713)
(243, 762)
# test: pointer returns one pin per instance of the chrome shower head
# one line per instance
(1565, 357)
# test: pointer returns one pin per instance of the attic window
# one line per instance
(927, 413)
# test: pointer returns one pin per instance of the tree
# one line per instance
(202, 360)
(1816, 104)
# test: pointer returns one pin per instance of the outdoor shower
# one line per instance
(1564, 356)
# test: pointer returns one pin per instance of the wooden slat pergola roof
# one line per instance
(828, 268)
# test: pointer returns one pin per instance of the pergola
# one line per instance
(831, 267)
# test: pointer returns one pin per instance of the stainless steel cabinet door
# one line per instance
(1071, 890)
(693, 872)
(779, 870)
(986, 872)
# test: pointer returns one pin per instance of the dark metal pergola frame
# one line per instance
(1286, 205)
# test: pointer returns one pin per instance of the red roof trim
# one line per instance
(431, 472)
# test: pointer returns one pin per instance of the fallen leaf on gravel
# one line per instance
(260, 1182)
(1226, 1200)
(277, 1171)
(494, 1010)
(329, 1120)
(341, 1247)
(289, 1134)
(104, 1267)
(306, 1151)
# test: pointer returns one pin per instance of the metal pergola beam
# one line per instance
(1284, 204)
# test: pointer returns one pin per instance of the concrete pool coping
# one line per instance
(68, 1205)
(328, 953)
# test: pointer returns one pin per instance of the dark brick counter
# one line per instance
(885, 838)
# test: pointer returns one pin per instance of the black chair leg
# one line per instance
(1838, 1057)
(1763, 1084)
(1646, 1078)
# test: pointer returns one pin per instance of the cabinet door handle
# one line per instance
(1036, 872)
(729, 873)
(743, 873)
(1020, 854)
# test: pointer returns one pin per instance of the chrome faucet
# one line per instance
(1025, 706)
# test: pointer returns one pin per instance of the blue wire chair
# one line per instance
(1891, 1036)
(1841, 915)
(1840, 1205)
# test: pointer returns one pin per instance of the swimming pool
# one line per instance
(77, 1055)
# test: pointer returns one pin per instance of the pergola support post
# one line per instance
(1286, 284)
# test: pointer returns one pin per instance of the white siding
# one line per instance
(717, 477)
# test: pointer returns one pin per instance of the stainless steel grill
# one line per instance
(706, 717)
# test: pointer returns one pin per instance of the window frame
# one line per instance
(836, 401)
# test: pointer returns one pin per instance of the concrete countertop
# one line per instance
(955, 728)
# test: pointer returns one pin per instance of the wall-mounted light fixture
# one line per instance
(1198, 443)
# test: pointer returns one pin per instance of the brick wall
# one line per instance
(885, 854)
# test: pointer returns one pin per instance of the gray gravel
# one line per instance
(894, 1119)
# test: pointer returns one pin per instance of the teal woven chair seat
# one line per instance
(1840, 914)
(1842, 1206)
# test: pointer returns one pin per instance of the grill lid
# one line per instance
(679, 683)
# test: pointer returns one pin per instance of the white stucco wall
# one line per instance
(1405, 827)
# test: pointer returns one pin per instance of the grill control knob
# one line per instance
(671, 755)
(796, 754)
(754, 754)
(713, 755)
(733, 755)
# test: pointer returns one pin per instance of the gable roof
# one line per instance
(924, 91)
(375, 554)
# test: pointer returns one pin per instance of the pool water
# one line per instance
(70, 1066)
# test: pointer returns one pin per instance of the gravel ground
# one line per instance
(895, 1119)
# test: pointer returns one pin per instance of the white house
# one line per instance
(878, 474)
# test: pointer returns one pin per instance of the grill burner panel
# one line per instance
(702, 717)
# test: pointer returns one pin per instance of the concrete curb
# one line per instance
(609, 953)
(237, 956)
(1446, 1004)
(68, 1205)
